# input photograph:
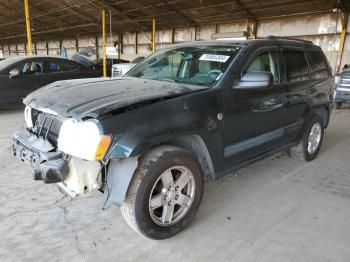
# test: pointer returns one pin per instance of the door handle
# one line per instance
(262, 109)
(269, 105)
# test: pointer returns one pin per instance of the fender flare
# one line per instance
(119, 175)
(120, 171)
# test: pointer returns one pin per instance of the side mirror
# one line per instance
(255, 80)
(14, 72)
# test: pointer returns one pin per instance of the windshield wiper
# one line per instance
(166, 79)
(190, 82)
(176, 80)
(161, 79)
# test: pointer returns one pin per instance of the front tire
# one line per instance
(311, 141)
(164, 193)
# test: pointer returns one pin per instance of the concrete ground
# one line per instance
(278, 209)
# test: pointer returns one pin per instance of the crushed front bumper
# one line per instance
(72, 175)
(47, 163)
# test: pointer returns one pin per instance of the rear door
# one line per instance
(18, 87)
(254, 119)
(321, 72)
(60, 69)
(300, 86)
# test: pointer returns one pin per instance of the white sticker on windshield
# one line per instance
(214, 58)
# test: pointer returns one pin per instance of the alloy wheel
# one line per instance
(314, 138)
(172, 195)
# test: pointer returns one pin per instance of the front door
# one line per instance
(254, 119)
(18, 87)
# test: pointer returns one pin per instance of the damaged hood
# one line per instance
(92, 97)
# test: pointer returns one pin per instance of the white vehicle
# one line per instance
(122, 68)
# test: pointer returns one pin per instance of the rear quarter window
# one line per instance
(297, 68)
(61, 66)
(320, 67)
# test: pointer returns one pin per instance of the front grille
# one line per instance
(47, 126)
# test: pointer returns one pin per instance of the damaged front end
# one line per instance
(47, 163)
(37, 146)
(72, 154)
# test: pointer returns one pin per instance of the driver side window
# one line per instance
(266, 62)
(30, 68)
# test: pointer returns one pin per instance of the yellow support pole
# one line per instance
(255, 29)
(251, 27)
(104, 43)
(29, 33)
(344, 22)
(153, 34)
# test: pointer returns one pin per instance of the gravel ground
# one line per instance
(278, 209)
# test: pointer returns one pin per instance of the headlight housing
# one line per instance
(28, 116)
(83, 140)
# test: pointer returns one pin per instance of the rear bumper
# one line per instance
(47, 163)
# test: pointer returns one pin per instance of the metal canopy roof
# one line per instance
(58, 19)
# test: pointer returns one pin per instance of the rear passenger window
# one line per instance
(297, 68)
(266, 62)
(320, 67)
(61, 66)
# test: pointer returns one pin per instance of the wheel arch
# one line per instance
(195, 144)
(121, 171)
(320, 104)
(136, 146)
(324, 111)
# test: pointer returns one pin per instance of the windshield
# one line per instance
(9, 61)
(198, 65)
(137, 60)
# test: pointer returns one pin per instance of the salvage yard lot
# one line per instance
(278, 209)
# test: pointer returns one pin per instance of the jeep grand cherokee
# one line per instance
(187, 113)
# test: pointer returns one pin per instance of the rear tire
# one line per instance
(311, 141)
(338, 105)
(164, 193)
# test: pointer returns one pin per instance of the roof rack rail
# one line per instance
(288, 38)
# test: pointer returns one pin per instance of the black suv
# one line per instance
(187, 113)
